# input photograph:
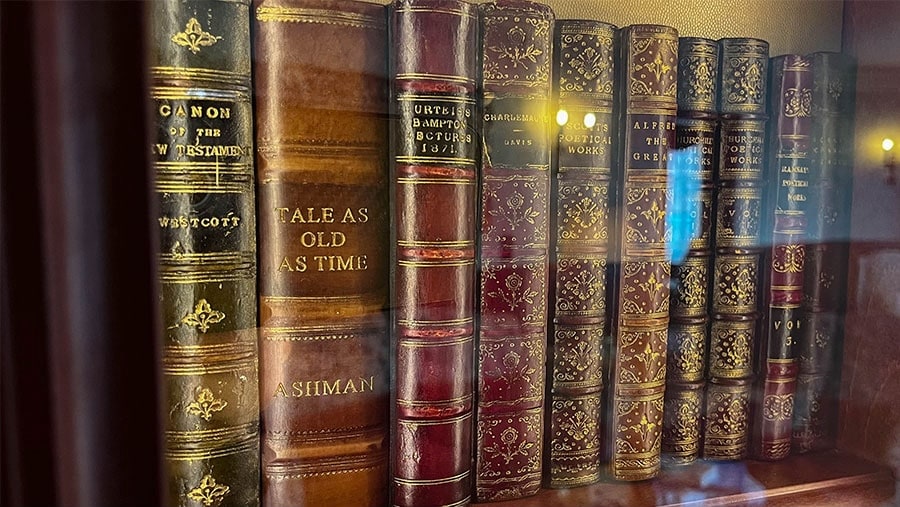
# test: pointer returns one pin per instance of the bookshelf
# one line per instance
(79, 347)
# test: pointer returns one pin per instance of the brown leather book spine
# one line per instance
(734, 297)
(320, 69)
(649, 73)
(584, 85)
(825, 268)
(513, 285)
(695, 135)
(202, 160)
(789, 151)
(435, 192)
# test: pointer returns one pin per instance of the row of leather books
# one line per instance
(468, 219)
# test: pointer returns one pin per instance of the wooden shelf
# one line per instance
(827, 478)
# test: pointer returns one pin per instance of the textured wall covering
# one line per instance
(790, 26)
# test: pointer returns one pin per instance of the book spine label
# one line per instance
(580, 241)
(648, 68)
(790, 151)
(323, 218)
(735, 289)
(202, 158)
(691, 219)
(435, 199)
(513, 286)
(825, 278)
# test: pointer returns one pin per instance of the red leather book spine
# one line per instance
(434, 50)
(584, 84)
(825, 269)
(322, 100)
(695, 136)
(515, 187)
(735, 289)
(649, 68)
(791, 98)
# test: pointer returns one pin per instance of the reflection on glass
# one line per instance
(683, 215)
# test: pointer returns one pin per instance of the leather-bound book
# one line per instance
(788, 174)
(734, 292)
(825, 269)
(515, 187)
(649, 72)
(434, 55)
(584, 86)
(695, 135)
(202, 161)
(321, 92)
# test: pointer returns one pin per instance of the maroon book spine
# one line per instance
(649, 68)
(584, 83)
(686, 356)
(735, 290)
(791, 98)
(434, 50)
(515, 185)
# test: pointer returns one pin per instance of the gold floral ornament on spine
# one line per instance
(205, 404)
(209, 492)
(193, 37)
(203, 316)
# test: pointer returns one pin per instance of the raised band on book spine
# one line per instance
(321, 100)
(649, 73)
(434, 51)
(513, 284)
(825, 267)
(735, 289)
(695, 135)
(203, 176)
(580, 241)
(790, 103)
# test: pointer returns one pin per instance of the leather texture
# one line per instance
(825, 267)
(584, 85)
(203, 167)
(434, 49)
(320, 71)
(790, 134)
(515, 214)
(649, 64)
(735, 297)
(698, 66)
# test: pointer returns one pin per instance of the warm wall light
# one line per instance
(887, 144)
(562, 117)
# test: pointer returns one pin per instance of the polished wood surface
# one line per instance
(827, 478)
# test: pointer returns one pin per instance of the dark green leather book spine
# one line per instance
(734, 294)
(695, 137)
(584, 84)
(202, 159)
